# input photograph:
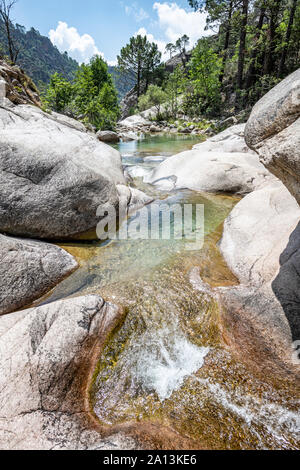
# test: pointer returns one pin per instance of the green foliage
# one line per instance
(140, 58)
(258, 42)
(59, 94)
(154, 97)
(205, 69)
(175, 86)
(92, 95)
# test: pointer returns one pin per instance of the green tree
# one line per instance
(171, 48)
(59, 93)
(205, 68)
(140, 58)
(174, 87)
(154, 97)
(92, 96)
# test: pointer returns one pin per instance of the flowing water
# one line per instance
(167, 362)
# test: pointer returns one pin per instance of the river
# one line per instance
(167, 363)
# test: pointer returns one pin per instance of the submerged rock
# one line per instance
(29, 269)
(273, 130)
(46, 358)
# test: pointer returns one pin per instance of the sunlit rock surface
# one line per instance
(29, 269)
(273, 130)
(221, 164)
(46, 356)
(53, 174)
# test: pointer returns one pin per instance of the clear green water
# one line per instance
(159, 145)
(167, 363)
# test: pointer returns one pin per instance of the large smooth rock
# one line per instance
(29, 269)
(257, 231)
(273, 130)
(213, 171)
(53, 177)
(223, 163)
(275, 111)
(231, 140)
(255, 319)
(46, 355)
(133, 122)
(286, 285)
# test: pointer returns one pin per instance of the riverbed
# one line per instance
(168, 363)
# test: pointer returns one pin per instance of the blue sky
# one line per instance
(86, 27)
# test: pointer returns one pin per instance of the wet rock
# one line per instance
(46, 358)
(131, 199)
(154, 129)
(273, 130)
(29, 269)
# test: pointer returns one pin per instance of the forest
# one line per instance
(252, 46)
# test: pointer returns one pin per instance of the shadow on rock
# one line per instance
(286, 285)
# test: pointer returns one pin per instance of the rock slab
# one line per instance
(29, 269)
(45, 356)
(53, 176)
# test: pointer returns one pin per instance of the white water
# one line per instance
(167, 361)
(276, 420)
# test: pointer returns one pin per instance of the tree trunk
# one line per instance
(227, 39)
(241, 60)
(252, 67)
(138, 82)
(287, 39)
(270, 50)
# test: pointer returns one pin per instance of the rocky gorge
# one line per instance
(54, 174)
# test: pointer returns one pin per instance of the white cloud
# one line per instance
(160, 44)
(176, 21)
(66, 38)
(138, 12)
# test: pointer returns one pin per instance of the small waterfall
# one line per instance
(166, 361)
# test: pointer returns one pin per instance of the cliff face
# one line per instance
(17, 86)
(179, 59)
